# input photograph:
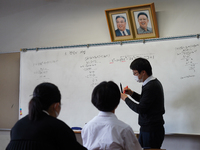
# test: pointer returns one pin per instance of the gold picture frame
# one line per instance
(144, 21)
(115, 18)
(130, 17)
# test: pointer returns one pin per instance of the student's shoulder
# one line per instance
(123, 125)
(59, 122)
(60, 126)
(23, 120)
(92, 122)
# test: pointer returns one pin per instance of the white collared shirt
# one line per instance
(148, 79)
(106, 132)
(124, 32)
(45, 112)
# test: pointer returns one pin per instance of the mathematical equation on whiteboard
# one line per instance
(43, 71)
(88, 64)
(188, 55)
(92, 63)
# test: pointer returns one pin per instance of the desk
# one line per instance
(78, 134)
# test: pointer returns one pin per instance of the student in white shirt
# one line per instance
(105, 131)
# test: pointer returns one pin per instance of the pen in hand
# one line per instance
(121, 88)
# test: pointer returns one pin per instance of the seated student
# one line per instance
(105, 131)
(40, 129)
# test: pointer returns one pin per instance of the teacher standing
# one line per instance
(151, 104)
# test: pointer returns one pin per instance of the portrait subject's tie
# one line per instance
(123, 33)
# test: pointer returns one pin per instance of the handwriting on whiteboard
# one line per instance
(42, 70)
(92, 62)
(91, 65)
(132, 57)
(188, 55)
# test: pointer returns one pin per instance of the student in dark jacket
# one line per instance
(40, 129)
(151, 104)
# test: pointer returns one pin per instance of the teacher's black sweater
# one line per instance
(150, 107)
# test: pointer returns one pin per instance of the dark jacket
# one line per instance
(48, 133)
(118, 33)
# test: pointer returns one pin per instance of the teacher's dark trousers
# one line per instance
(152, 139)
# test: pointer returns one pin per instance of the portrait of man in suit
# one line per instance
(121, 26)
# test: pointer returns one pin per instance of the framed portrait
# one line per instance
(119, 24)
(144, 21)
(132, 22)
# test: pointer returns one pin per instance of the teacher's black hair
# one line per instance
(141, 64)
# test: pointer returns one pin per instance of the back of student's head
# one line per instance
(44, 95)
(106, 96)
(141, 64)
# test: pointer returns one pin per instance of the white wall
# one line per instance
(46, 23)
(4, 139)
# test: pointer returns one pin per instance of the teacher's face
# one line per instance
(121, 24)
(143, 21)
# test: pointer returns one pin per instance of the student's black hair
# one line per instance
(142, 13)
(106, 96)
(44, 95)
(141, 64)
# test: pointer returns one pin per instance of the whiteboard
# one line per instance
(76, 71)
